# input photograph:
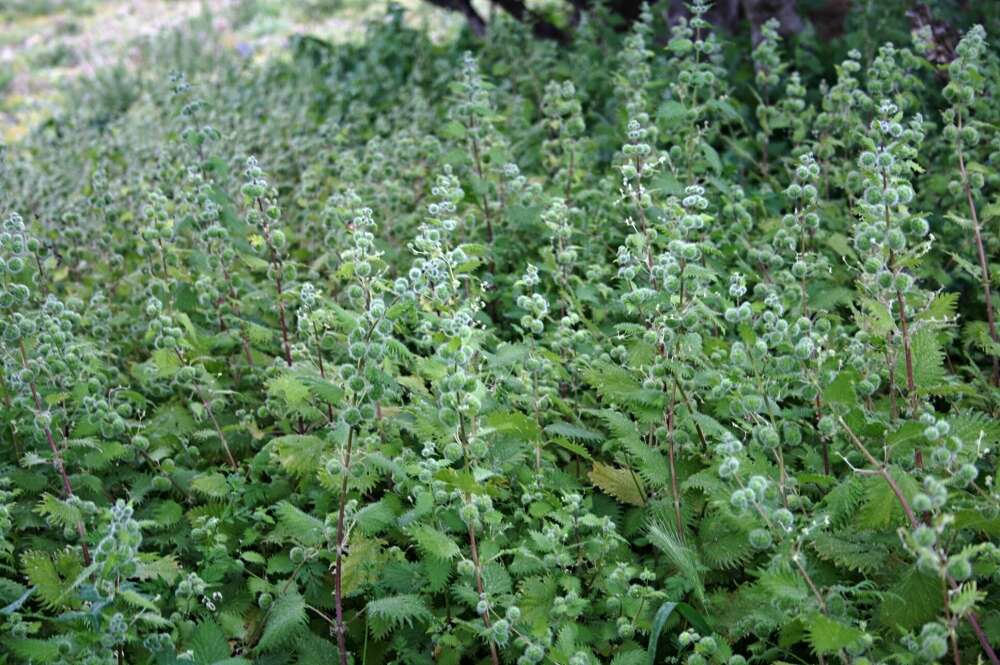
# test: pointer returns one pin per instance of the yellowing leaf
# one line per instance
(622, 484)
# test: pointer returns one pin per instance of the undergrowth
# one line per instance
(655, 347)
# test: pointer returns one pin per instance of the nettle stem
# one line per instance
(691, 410)
(671, 454)
(474, 547)
(911, 384)
(474, 550)
(211, 416)
(218, 428)
(984, 267)
(338, 573)
(911, 387)
(911, 517)
(322, 368)
(57, 459)
(235, 305)
(279, 268)
(669, 422)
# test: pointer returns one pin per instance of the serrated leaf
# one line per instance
(287, 616)
(434, 543)
(827, 636)
(58, 512)
(296, 526)
(209, 643)
(941, 308)
(290, 389)
(911, 601)
(299, 454)
(211, 484)
(619, 483)
(928, 361)
(881, 508)
(841, 389)
(50, 587)
(515, 423)
(393, 612)
(573, 432)
(166, 362)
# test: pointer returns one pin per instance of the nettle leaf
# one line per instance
(51, 583)
(135, 599)
(862, 552)
(363, 564)
(434, 543)
(167, 513)
(323, 389)
(653, 465)
(975, 428)
(285, 619)
(828, 636)
(163, 568)
(170, 420)
(573, 432)
(724, 541)
(58, 512)
(575, 448)
(843, 500)
(299, 454)
(911, 601)
(877, 318)
(209, 643)
(928, 361)
(34, 650)
(841, 389)
(379, 516)
(166, 363)
(622, 484)
(783, 586)
(211, 484)
(881, 508)
(296, 526)
(941, 308)
(393, 612)
(515, 423)
(622, 427)
(289, 388)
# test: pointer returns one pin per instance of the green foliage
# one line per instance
(392, 612)
(655, 347)
(286, 618)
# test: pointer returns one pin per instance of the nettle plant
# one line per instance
(653, 348)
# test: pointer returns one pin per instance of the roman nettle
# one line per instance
(653, 347)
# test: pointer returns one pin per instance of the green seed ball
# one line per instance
(960, 568)
(934, 647)
(760, 539)
(15, 265)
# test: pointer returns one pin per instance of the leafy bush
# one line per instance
(482, 352)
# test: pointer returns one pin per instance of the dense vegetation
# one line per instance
(631, 350)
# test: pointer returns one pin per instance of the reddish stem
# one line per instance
(338, 574)
(981, 252)
(57, 460)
